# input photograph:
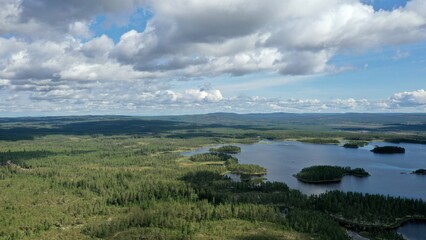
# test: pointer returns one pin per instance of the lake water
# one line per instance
(413, 230)
(390, 173)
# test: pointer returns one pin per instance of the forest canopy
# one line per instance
(328, 174)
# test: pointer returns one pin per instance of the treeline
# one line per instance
(19, 157)
(408, 139)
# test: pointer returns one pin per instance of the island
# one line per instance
(388, 150)
(226, 149)
(420, 172)
(354, 144)
(319, 141)
(328, 174)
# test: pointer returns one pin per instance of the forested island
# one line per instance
(328, 174)
(320, 141)
(355, 144)
(226, 149)
(420, 172)
(388, 150)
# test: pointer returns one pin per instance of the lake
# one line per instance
(413, 230)
(390, 173)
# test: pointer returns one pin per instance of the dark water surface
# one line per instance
(390, 173)
(413, 230)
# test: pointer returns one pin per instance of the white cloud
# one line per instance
(292, 37)
(189, 96)
(349, 103)
(409, 99)
(47, 50)
(203, 95)
(193, 39)
(98, 47)
(79, 29)
(68, 99)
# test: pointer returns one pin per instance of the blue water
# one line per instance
(413, 230)
(390, 173)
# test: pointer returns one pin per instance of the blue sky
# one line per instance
(162, 57)
(386, 4)
(137, 20)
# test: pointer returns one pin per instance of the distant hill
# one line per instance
(30, 127)
(344, 121)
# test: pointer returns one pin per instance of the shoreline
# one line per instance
(336, 180)
(348, 224)
(328, 181)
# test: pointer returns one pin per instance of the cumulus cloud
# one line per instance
(187, 96)
(291, 37)
(193, 38)
(49, 53)
(409, 99)
(98, 47)
(60, 15)
(68, 99)
(348, 104)
(203, 95)
(79, 29)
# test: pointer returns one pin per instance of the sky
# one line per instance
(164, 57)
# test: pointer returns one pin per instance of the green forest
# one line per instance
(328, 174)
(355, 144)
(420, 172)
(115, 183)
(388, 150)
(231, 149)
